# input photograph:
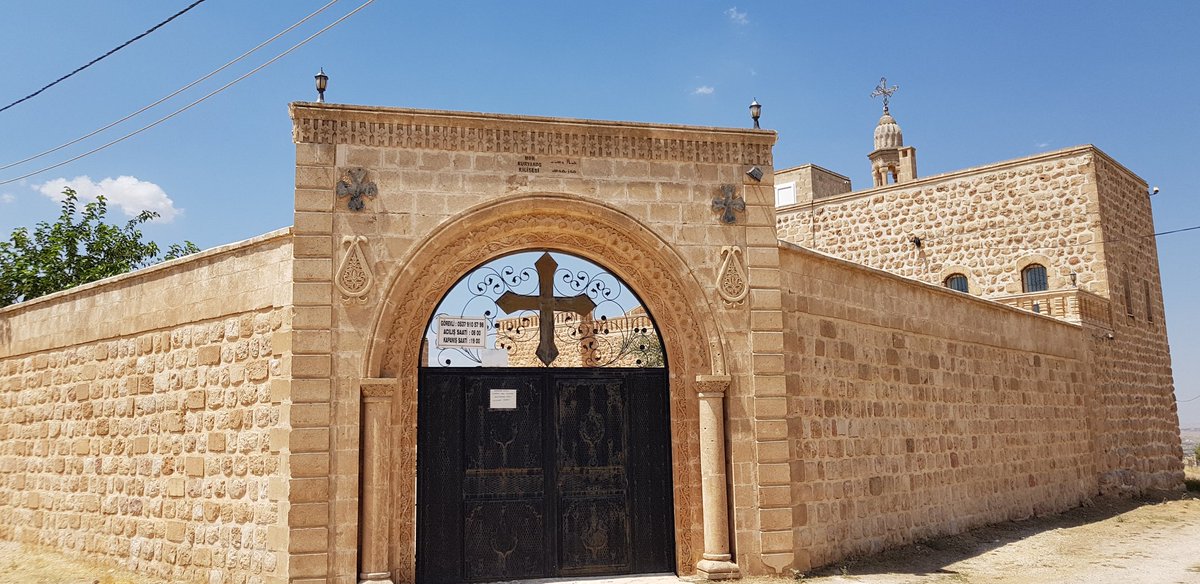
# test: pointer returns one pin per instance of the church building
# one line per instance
(498, 348)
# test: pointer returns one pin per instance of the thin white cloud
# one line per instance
(703, 90)
(1041, 144)
(7, 198)
(737, 17)
(127, 193)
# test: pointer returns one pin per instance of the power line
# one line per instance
(172, 94)
(1184, 401)
(194, 103)
(97, 59)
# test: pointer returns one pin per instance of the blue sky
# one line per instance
(980, 82)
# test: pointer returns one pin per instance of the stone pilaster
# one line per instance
(717, 562)
(376, 459)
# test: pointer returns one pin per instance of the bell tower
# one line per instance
(891, 161)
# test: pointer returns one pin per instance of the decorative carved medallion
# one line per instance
(356, 188)
(732, 283)
(728, 203)
(354, 277)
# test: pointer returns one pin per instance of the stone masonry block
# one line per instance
(766, 408)
(312, 246)
(314, 200)
(312, 269)
(176, 530)
(315, 177)
(281, 342)
(308, 565)
(312, 293)
(308, 514)
(311, 366)
(216, 442)
(314, 464)
(311, 223)
(194, 466)
(311, 490)
(310, 415)
(307, 540)
(309, 440)
(195, 399)
(310, 390)
(311, 342)
(208, 355)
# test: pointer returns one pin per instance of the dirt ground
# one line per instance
(1109, 542)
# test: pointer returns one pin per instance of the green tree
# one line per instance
(76, 249)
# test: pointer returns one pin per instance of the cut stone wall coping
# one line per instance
(178, 263)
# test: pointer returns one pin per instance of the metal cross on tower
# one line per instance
(885, 91)
(546, 303)
(727, 203)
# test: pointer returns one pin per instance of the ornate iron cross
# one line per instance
(546, 303)
(885, 91)
(728, 203)
(356, 189)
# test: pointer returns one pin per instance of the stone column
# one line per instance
(375, 518)
(717, 563)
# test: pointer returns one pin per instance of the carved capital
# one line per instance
(377, 389)
(712, 385)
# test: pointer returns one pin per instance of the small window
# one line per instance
(1033, 278)
(956, 282)
(1128, 295)
(1149, 303)
(785, 194)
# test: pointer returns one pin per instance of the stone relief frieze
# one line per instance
(520, 141)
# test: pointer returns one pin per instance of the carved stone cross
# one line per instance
(546, 303)
(356, 189)
(728, 203)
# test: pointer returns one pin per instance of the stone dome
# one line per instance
(887, 133)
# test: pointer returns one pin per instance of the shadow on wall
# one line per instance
(933, 556)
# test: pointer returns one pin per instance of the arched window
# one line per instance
(1033, 278)
(956, 282)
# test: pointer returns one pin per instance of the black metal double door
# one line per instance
(532, 473)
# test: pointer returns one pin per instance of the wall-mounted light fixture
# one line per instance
(755, 173)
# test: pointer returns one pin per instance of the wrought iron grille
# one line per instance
(595, 320)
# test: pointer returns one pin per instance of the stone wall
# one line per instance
(915, 411)
(137, 423)
(1139, 444)
(986, 223)
(813, 182)
(1077, 212)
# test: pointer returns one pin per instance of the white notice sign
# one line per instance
(502, 399)
(467, 333)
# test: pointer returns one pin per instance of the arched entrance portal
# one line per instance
(543, 444)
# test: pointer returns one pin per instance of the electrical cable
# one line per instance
(194, 103)
(97, 59)
(172, 94)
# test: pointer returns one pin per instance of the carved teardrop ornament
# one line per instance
(732, 283)
(354, 276)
